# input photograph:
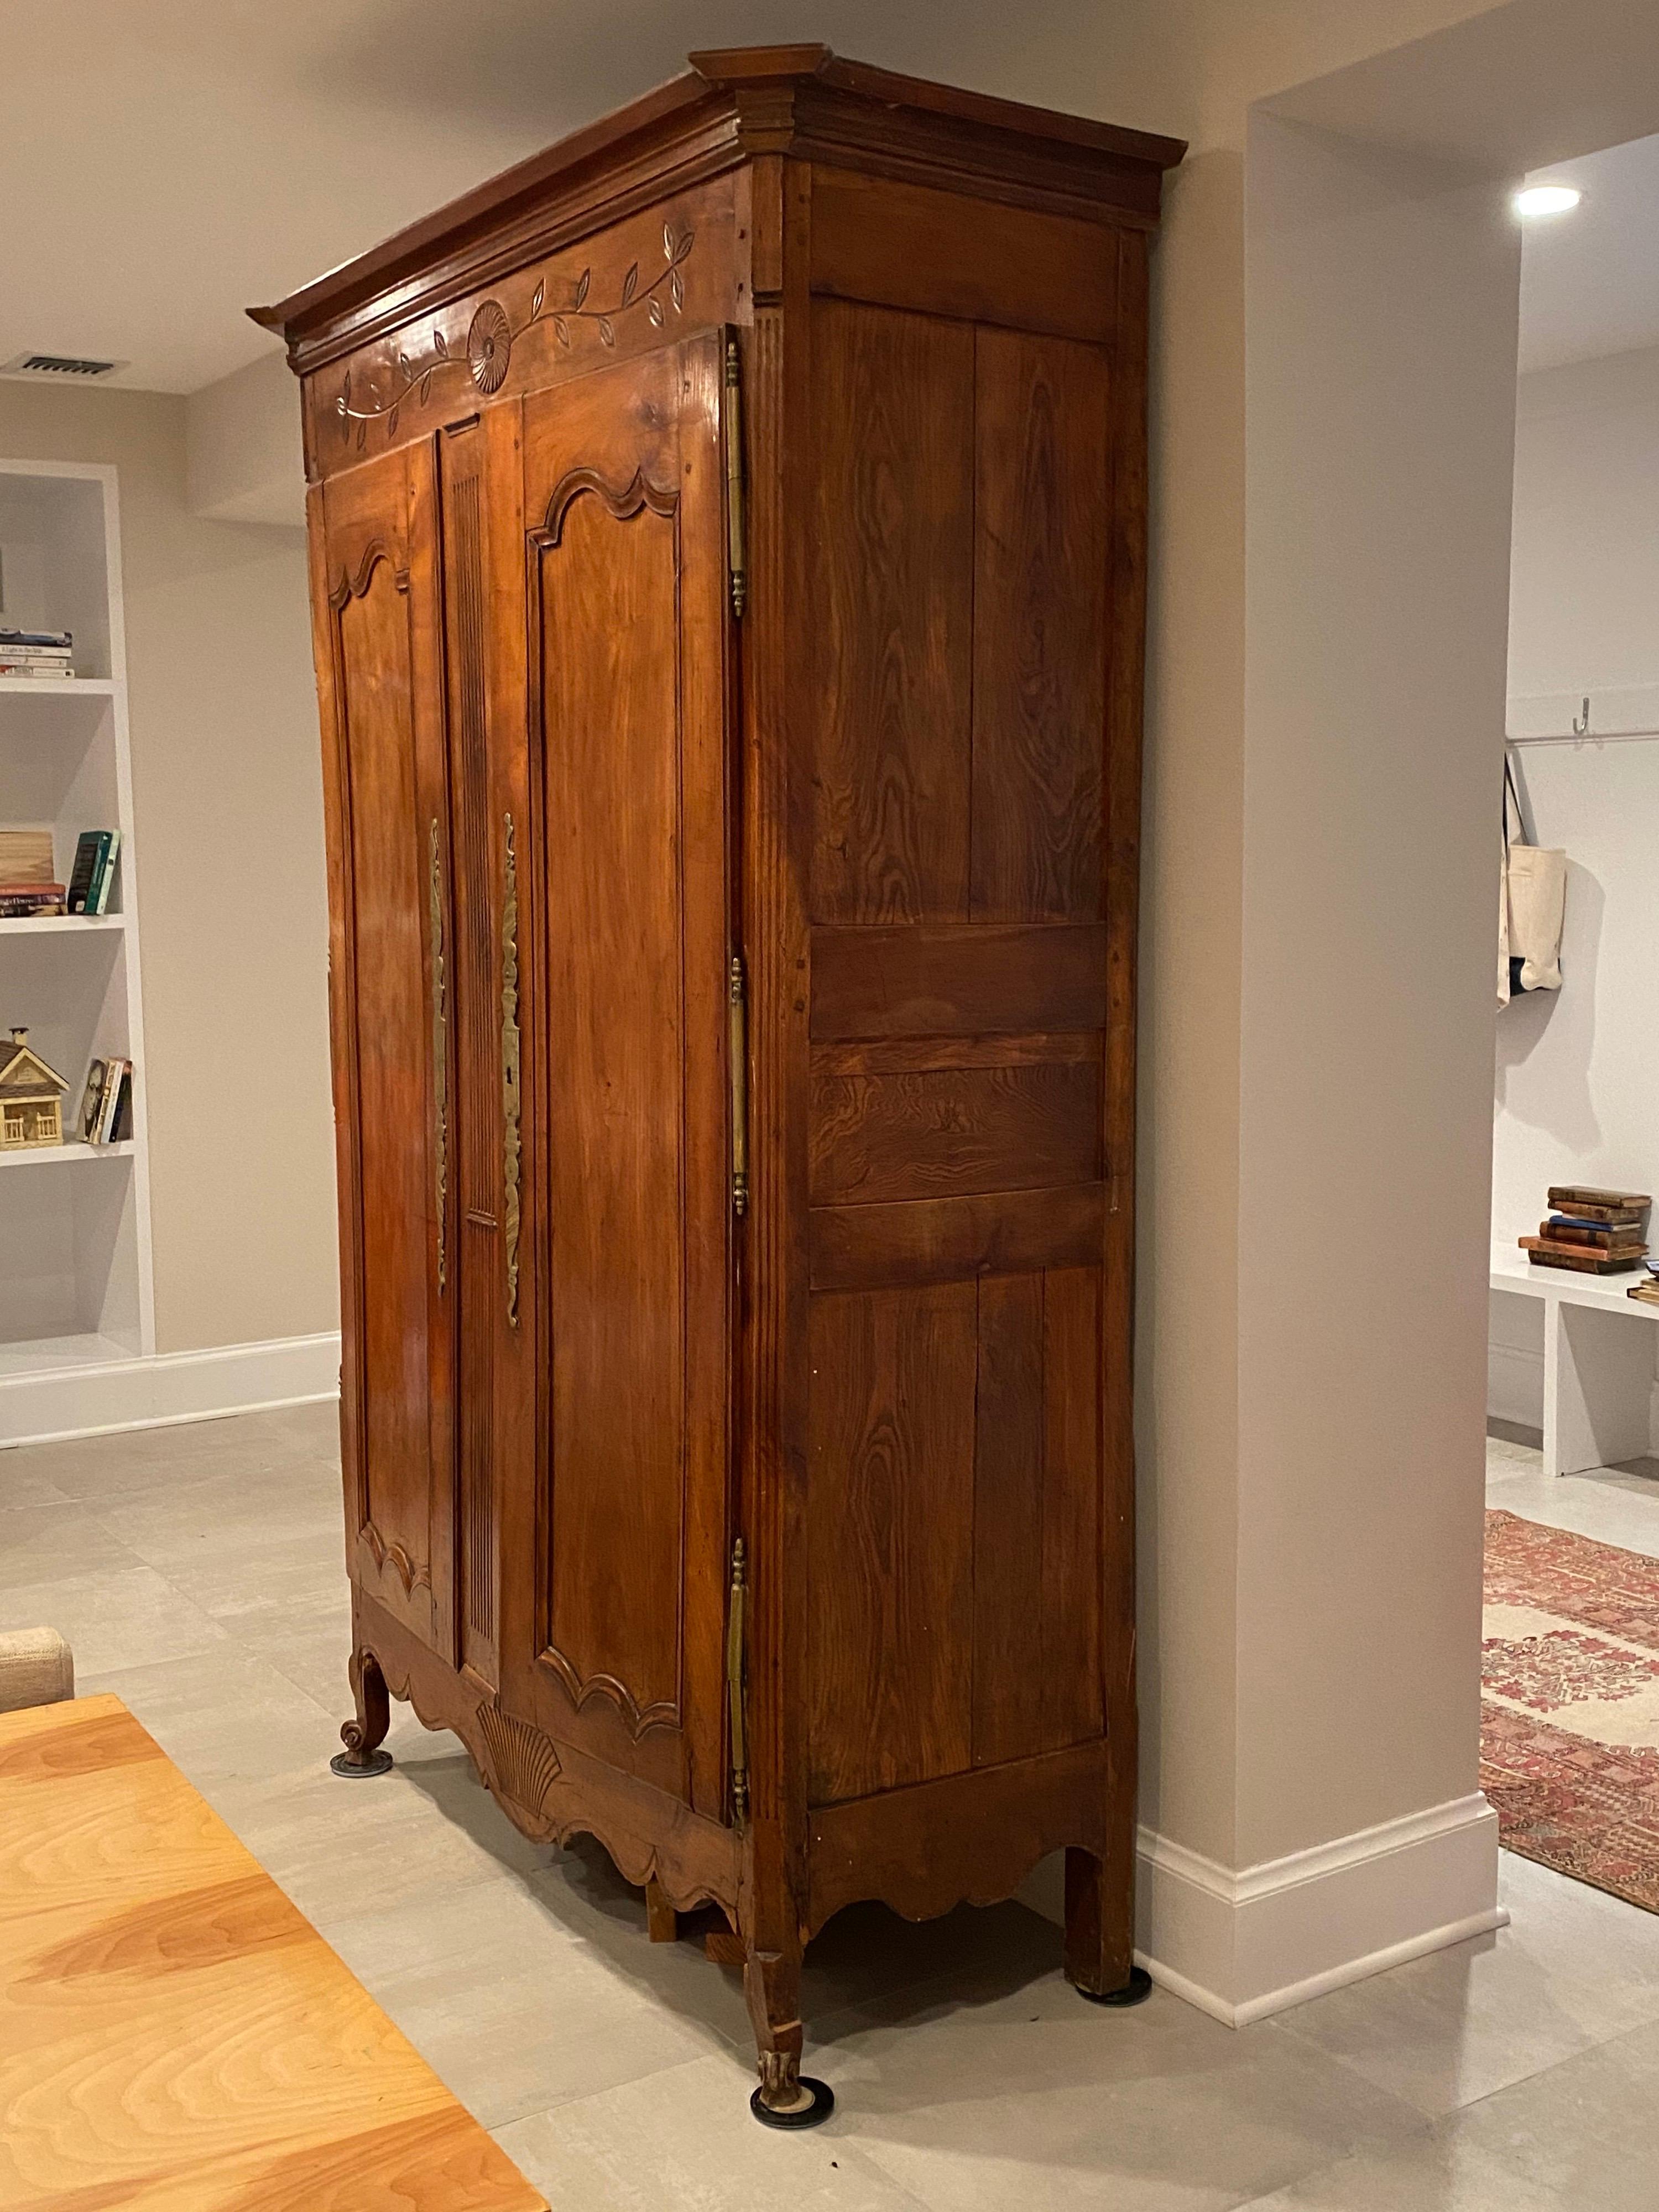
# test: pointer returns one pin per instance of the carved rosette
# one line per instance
(490, 347)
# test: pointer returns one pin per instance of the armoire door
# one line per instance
(376, 620)
(627, 604)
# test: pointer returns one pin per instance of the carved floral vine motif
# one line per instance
(491, 337)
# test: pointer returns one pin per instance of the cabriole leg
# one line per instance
(787, 2097)
(662, 1922)
(363, 1737)
(1099, 1957)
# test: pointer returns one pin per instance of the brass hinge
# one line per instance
(738, 1051)
(736, 537)
(734, 1659)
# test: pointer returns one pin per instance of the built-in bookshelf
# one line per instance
(75, 1289)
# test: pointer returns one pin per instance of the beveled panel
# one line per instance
(913, 245)
(970, 981)
(931, 1132)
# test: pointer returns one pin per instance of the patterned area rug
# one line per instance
(1570, 1704)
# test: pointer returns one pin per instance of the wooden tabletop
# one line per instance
(174, 2036)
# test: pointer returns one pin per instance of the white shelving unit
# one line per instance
(76, 1285)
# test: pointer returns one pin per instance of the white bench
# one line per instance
(1599, 1348)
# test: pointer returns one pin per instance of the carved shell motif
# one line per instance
(490, 347)
(525, 1763)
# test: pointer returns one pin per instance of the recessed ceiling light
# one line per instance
(1546, 199)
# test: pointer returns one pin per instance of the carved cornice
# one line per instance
(801, 101)
(491, 336)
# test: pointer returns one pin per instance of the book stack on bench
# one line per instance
(1593, 1232)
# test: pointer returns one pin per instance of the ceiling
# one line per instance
(1589, 280)
(165, 164)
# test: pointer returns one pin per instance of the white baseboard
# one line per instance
(52, 1404)
(1242, 1945)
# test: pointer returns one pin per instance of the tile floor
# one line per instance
(197, 1572)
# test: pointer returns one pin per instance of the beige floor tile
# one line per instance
(685, 2139)
(135, 1460)
(25, 1479)
(231, 1521)
(121, 1617)
(1581, 2137)
(226, 1718)
(1573, 1969)
(978, 2101)
(45, 1543)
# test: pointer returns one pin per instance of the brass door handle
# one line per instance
(440, 1050)
(510, 1088)
(737, 1052)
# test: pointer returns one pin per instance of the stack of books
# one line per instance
(92, 877)
(106, 1104)
(1594, 1232)
(27, 883)
(36, 652)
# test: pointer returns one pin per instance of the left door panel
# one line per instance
(378, 624)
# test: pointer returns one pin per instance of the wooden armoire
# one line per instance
(727, 539)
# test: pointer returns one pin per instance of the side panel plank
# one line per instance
(890, 1491)
(941, 1130)
(891, 530)
(1041, 565)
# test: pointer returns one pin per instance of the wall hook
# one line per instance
(1581, 727)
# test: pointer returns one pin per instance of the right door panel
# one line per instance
(626, 589)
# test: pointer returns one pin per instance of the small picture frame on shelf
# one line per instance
(92, 1100)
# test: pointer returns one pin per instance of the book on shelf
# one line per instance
(1544, 1251)
(18, 901)
(1647, 1290)
(92, 875)
(1588, 1205)
(1594, 1236)
(92, 1100)
(107, 1102)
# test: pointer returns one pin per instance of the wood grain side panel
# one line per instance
(615, 1044)
(1042, 576)
(968, 1838)
(890, 614)
(972, 981)
(939, 1131)
(920, 1055)
(889, 1512)
(940, 1240)
(1073, 1472)
(944, 253)
(1008, 1521)
(1036, 1515)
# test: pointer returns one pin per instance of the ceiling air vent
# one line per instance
(58, 367)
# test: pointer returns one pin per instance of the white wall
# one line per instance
(1576, 1096)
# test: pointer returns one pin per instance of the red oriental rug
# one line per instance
(1570, 1704)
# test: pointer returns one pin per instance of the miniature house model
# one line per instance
(31, 1095)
